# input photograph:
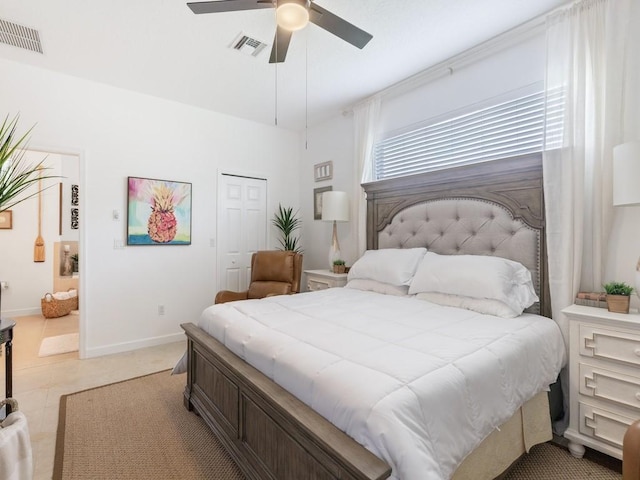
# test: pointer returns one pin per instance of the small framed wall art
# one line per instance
(6, 220)
(317, 201)
(75, 219)
(323, 171)
(158, 212)
(75, 200)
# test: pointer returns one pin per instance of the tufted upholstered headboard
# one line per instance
(493, 208)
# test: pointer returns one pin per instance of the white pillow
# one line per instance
(487, 306)
(476, 276)
(378, 287)
(395, 266)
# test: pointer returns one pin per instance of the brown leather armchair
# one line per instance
(631, 452)
(273, 272)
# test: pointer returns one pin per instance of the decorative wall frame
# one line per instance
(75, 219)
(317, 201)
(75, 201)
(158, 212)
(6, 220)
(323, 171)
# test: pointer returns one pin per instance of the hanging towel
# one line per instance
(16, 461)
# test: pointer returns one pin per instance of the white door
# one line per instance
(242, 228)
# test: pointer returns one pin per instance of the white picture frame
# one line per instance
(323, 171)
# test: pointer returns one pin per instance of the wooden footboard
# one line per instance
(268, 432)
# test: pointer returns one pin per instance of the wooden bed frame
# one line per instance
(269, 432)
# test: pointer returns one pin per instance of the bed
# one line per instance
(494, 209)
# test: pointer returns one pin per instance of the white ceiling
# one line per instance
(159, 47)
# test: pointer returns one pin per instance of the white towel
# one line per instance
(16, 461)
(61, 296)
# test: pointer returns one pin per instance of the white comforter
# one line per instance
(418, 384)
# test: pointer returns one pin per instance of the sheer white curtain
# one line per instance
(586, 46)
(365, 119)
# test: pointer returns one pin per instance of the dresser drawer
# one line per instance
(314, 285)
(610, 385)
(606, 344)
(603, 425)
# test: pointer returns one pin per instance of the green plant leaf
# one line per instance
(618, 288)
(285, 220)
(16, 174)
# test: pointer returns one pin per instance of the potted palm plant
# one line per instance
(618, 294)
(286, 221)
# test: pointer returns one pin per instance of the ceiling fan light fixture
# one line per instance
(292, 15)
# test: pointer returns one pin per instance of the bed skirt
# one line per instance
(529, 426)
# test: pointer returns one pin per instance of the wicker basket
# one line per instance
(53, 308)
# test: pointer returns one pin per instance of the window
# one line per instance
(512, 128)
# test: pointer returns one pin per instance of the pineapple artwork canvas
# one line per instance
(158, 212)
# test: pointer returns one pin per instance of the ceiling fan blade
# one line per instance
(339, 27)
(280, 45)
(228, 6)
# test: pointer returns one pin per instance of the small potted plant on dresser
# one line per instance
(339, 266)
(618, 296)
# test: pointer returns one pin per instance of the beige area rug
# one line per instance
(139, 429)
(549, 462)
(59, 344)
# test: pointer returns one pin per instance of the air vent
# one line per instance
(247, 45)
(20, 36)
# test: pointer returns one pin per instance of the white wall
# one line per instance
(119, 133)
(333, 140)
(502, 75)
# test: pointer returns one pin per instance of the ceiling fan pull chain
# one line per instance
(306, 90)
(276, 79)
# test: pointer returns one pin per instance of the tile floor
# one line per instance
(38, 383)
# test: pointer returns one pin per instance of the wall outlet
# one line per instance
(160, 309)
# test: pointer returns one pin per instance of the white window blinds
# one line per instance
(512, 128)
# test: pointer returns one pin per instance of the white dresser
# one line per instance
(322, 279)
(604, 369)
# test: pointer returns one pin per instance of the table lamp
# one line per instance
(626, 189)
(335, 208)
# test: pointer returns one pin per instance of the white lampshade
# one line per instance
(626, 174)
(292, 15)
(335, 206)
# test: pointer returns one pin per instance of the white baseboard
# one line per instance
(135, 345)
(22, 312)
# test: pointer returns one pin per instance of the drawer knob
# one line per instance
(637, 352)
(638, 396)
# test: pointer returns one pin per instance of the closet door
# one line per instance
(242, 228)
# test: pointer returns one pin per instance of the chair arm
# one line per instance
(631, 452)
(224, 296)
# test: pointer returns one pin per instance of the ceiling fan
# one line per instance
(291, 15)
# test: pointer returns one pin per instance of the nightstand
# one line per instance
(604, 356)
(322, 279)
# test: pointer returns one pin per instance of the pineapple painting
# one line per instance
(162, 225)
(159, 212)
